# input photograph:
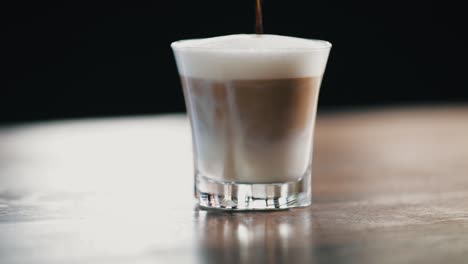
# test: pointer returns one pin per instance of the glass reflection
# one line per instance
(254, 237)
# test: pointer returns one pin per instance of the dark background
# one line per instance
(80, 59)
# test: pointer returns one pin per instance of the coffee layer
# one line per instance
(252, 131)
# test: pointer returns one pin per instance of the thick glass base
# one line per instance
(253, 196)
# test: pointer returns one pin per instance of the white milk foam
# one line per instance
(247, 57)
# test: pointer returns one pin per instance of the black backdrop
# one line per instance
(79, 59)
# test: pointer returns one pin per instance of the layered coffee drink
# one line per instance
(251, 100)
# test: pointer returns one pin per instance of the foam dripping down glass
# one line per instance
(252, 102)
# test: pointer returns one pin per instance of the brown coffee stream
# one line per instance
(258, 18)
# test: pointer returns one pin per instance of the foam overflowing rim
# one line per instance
(185, 45)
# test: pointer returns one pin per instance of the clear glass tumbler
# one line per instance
(252, 104)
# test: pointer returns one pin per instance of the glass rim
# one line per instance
(182, 45)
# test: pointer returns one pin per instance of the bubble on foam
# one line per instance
(251, 57)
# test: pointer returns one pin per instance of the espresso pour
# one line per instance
(258, 18)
